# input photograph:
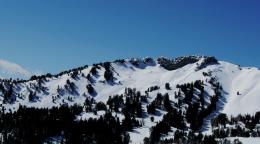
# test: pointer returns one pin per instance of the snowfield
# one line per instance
(246, 140)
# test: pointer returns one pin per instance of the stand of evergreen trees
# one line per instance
(240, 126)
(33, 126)
(194, 114)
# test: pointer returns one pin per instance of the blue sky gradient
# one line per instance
(54, 35)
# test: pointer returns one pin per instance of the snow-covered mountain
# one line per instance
(239, 87)
(143, 73)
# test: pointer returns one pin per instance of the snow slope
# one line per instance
(246, 140)
(241, 86)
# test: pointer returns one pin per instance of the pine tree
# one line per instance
(93, 70)
(139, 110)
(167, 103)
(127, 122)
(90, 89)
(151, 108)
(108, 75)
(167, 86)
(101, 106)
(31, 96)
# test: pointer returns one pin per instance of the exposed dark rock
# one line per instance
(207, 61)
(173, 64)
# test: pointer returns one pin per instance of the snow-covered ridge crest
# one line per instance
(173, 64)
(167, 63)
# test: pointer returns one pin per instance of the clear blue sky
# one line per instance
(54, 35)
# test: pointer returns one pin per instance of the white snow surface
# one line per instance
(249, 140)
